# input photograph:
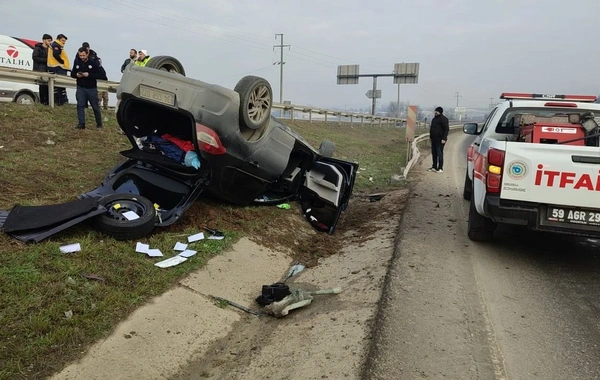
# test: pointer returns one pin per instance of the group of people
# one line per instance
(50, 56)
(140, 58)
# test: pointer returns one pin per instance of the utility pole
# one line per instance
(491, 103)
(281, 63)
(457, 95)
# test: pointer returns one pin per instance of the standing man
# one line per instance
(143, 58)
(40, 63)
(87, 71)
(438, 134)
(58, 63)
(132, 58)
(92, 55)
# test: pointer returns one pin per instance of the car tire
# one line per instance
(326, 148)
(468, 188)
(479, 228)
(113, 223)
(166, 63)
(25, 98)
(256, 101)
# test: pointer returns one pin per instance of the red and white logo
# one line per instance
(570, 131)
(12, 51)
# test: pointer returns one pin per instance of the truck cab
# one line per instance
(536, 163)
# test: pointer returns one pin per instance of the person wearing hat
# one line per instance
(438, 134)
(143, 58)
(40, 63)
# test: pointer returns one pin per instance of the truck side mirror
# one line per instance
(471, 128)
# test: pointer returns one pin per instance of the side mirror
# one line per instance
(471, 128)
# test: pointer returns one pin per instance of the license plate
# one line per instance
(159, 96)
(573, 216)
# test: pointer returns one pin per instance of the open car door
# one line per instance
(326, 192)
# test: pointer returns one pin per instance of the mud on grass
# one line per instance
(51, 309)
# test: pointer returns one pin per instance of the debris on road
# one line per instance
(297, 299)
(231, 303)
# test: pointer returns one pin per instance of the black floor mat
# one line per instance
(23, 218)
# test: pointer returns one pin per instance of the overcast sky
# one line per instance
(478, 48)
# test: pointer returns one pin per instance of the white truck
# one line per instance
(536, 163)
(16, 53)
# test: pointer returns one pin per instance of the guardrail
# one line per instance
(55, 80)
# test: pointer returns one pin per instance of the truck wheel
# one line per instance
(479, 227)
(467, 190)
(114, 223)
(256, 99)
(25, 98)
(166, 63)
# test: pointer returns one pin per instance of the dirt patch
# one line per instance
(287, 230)
(330, 337)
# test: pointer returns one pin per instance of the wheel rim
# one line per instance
(125, 205)
(259, 104)
(25, 100)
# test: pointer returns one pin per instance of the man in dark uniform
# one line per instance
(40, 63)
(87, 71)
(438, 134)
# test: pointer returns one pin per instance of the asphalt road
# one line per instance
(526, 306)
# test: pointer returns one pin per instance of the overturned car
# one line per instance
(189, 137)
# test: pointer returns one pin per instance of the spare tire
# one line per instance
(113, 222)
(166, 63)
(256, 100)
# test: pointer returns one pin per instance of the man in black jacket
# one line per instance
(40, 63)
(438, 134)
(132, 58)
(87, 71)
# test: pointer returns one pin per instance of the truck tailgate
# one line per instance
(552, 174)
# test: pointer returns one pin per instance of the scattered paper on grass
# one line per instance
(196, 237)
(171, 261)
(70, 248)
(187, 253)
(154, 252)
(180, 246)
(130, 215)
(216, 237)
(69, 314)
(141, 247)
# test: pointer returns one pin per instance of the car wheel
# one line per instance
(479, 228)
(114, 223)
(166, 63)
(467, 190)
(256, 99)
(25, 99)
(326, 148)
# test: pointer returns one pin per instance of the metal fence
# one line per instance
(54, 80)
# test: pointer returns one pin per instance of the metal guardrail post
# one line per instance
(51, 92)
